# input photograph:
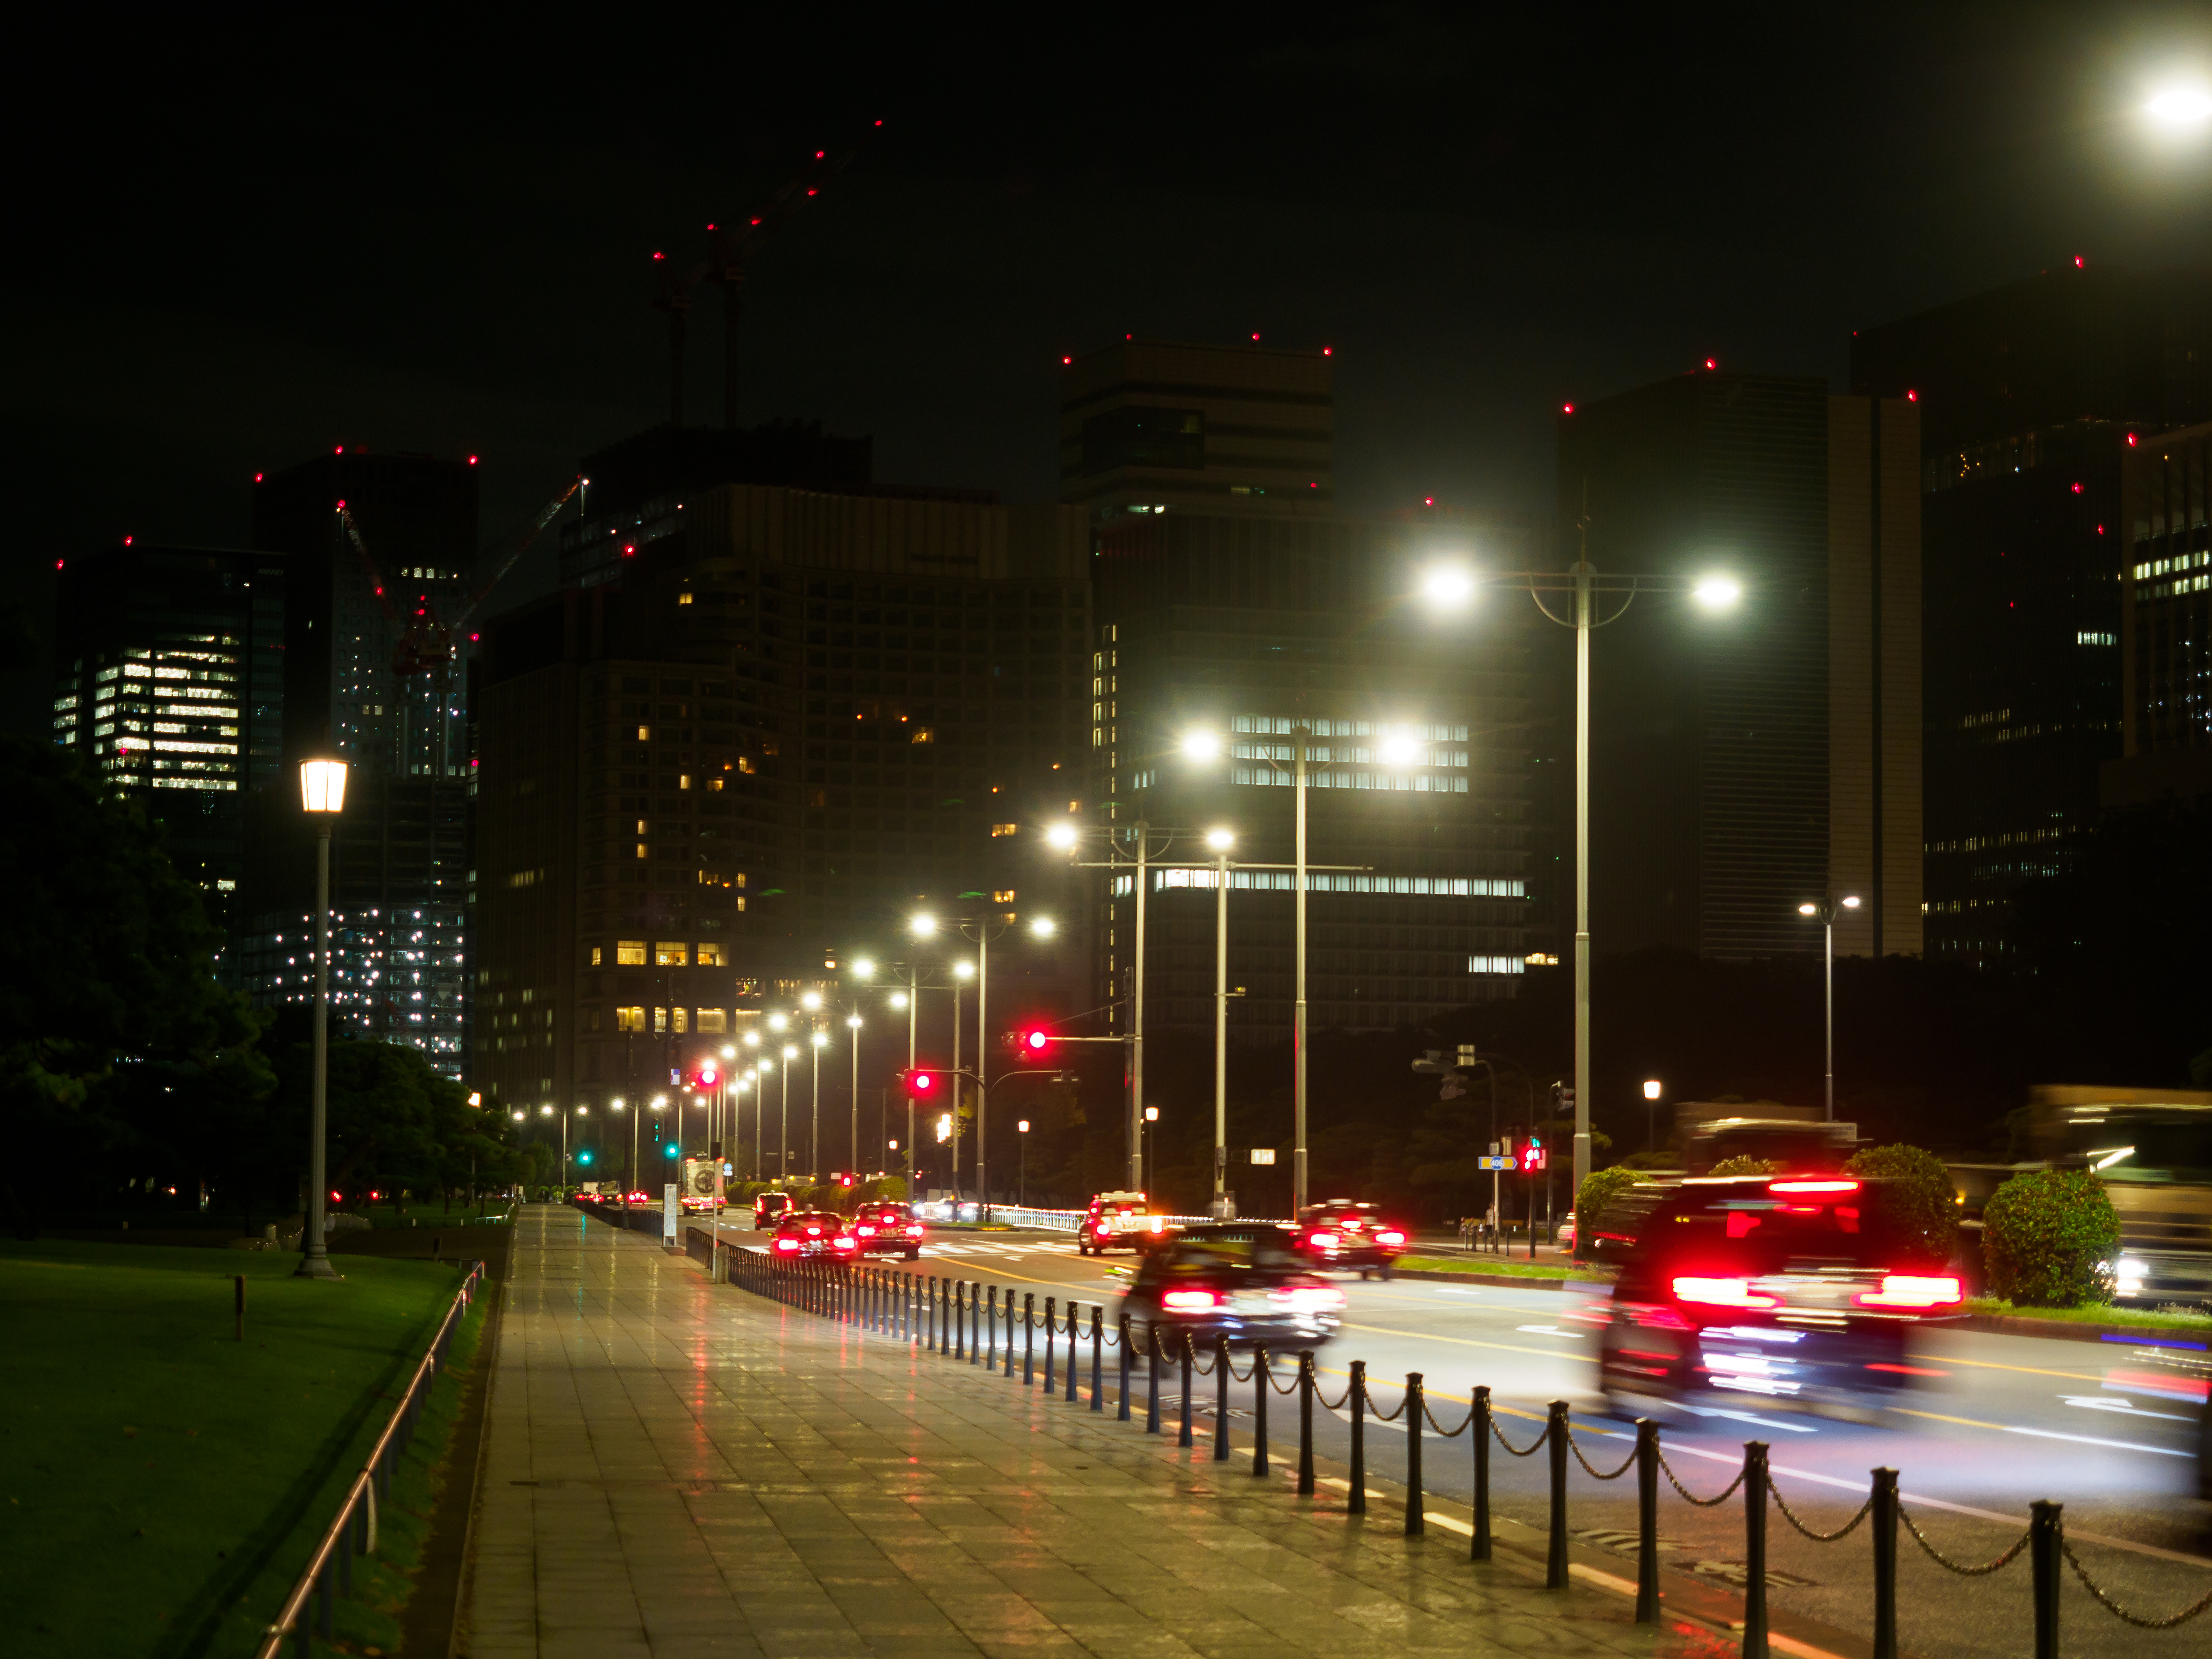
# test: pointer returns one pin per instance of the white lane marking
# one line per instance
(1550, 1330)
(2126, 1408)
(1748, 1417)
(1451, 1290)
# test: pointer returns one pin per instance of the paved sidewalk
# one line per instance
(678, 1469)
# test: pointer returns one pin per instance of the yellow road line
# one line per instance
(1991, 1365)
(1463, 1341)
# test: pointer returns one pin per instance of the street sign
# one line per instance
(1263, 1154)
(1506, 1163)
(668, 1213)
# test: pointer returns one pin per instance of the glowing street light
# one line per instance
(1449, 587)
(322, 797)
(864, 967)
(922, 924)
(1827, 911)
(1717, 593)
(1061, 836)
(1044, 926)
(2180, 106)
(1202, 744)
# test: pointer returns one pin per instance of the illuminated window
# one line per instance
(640, 827)
(683, 597)
(714, 1020)
(684, 782)
(714, 956)
(660, 1019)
(681, 1016)
(998, 830)
(645, 734)
(923, 734)
(641, 849)
(595, 956)
(741, 904)
(716, 786)
(1004, 896)
(666, 955)
(629, 952)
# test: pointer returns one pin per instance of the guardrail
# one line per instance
(1066, 1221)
(352, 1532)
(963, 1320)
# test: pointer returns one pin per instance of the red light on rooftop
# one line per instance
(1067, 359)
(472, 460)
(1710, 363)
(2077, 490)
(1566, 408)
(818, 153)
(256, 477)
(473, 638)
(58, 564)
(342, 506)
(340, 450)
(812, 192)
(628, 549)
(1255, 339)
(2077, 262)
(2132, 441)
(756, 222)
(1428, 500)
(127, 540)
(1910, 396)
(710, 226)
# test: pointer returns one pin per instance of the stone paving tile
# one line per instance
(675, 1468)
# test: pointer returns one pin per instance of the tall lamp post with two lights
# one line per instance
(322, 796)
(1826, 909)
(1584, 589)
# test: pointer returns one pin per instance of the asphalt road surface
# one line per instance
(1993, 1423)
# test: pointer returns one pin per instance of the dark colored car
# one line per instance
(769, 1208)
(1244, 1281)
(814, 1233)
(1784, 1288)
(1342, 1234)
(887, 1229)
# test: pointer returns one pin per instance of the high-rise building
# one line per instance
(2029, 397)
(169, 679)
(791, 715)
(1147, 427)
(2165, 621)
(1745, 763)
(360, 599)
(1418, 788)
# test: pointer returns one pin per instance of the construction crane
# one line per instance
(729, 256)
(423, 641)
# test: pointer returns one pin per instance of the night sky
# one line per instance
(237, 245)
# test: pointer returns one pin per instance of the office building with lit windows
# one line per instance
(2166, 622)
(1420, 823)
(747, 748)
(170, 680)
(2032, 398)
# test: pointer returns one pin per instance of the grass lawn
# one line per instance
(1495, 1264)
(2129, 1318)
(163, 1481)
(432, 1216)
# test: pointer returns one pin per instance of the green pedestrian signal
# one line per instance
(669, 1151)
(583, 1157)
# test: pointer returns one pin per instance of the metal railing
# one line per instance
(352, 1532)
(1066, 1221)
(963, 1318)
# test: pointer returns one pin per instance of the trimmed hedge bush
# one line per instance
(1753, 1166)
(1600, 1187)
(1923, 1212)
(2049, 1238)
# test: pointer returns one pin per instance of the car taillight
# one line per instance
(841, 1243)
(1189, 1301)
(1722, 1292)
(1393, 1237)
(915, 1232)
(867, 1232)
(1912, 1290)
(1322, 1241)
(787, 1243)
(814, 1232)
(1159, 1224)
(1309, 1298)
(1811, 1185)
(1352, 1227)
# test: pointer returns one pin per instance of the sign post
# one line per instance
(668, 1216)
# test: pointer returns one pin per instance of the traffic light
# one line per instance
(1033, 1042)
(709, 1074)
(584, 1156)
(669, 1151)
(927, 1085)
(844, 1177)
(1532, 1157)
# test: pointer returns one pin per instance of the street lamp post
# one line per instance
(1651, 1113)
(1151, 1145)
(783, 1114)
(1221, 841)
(322, 796)
(1453, 588)
(818, 1039)
(1022, 1179)
(853, 1025)
(1826, 909)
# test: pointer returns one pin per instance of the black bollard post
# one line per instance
(990, 1329)
(929, 1313)
(1884, 1523)
(1355, 1501)
(1028, 1340)
(1260, 1387)
(1305, 1424)
(1416, 1519)
(1097, 1359)
(1647, 1521)
(1555, 1561)
(1121, 1412)
(1051, 1340)
(1188, 1357)
(1478, 1547)
(1221, 1369)
(1151, 1378)
(2046, 1531)
(1010, 1330)
(959, 1323)
(1754, 1550)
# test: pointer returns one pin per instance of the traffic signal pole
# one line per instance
(982, 1071)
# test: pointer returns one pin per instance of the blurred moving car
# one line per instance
(2176, 1370)
(1245, 1281)
(1340, 1233)
(814, 1233)
(1565, 1240)
(1781, 1288)
(1119, 1221)
(887, 1229)
(769, 1208)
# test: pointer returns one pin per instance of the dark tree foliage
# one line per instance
(115, 1040)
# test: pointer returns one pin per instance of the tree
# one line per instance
(2048, 1237)
(1922, 1213)
(108, 1000)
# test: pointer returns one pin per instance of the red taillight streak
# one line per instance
(1913, 1291)
(1722, 1292)
(1389, 1238)
(1646, 1354)
(1811, 1185)
(1190, 1301)
(2177, 1387)
(1908, 1371)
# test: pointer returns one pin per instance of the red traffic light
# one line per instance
(1036, 1041)
(924, 1085)
(709, 1076)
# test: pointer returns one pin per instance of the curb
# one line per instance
(1510, 1281)
(2063, 1330)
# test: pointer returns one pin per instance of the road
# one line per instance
(1993, 1423)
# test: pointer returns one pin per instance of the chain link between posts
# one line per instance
(1949, 1565)
(1380, 1415)
(2120, 1612)
(1790, 1515)
(1466, 1423)
(1530, 1449)
(1575, 1446)
(1727, 1493)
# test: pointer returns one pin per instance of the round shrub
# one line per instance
(1920, 1216)
(1740, 1165)
(1599, 1188)
(2048, 1237)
